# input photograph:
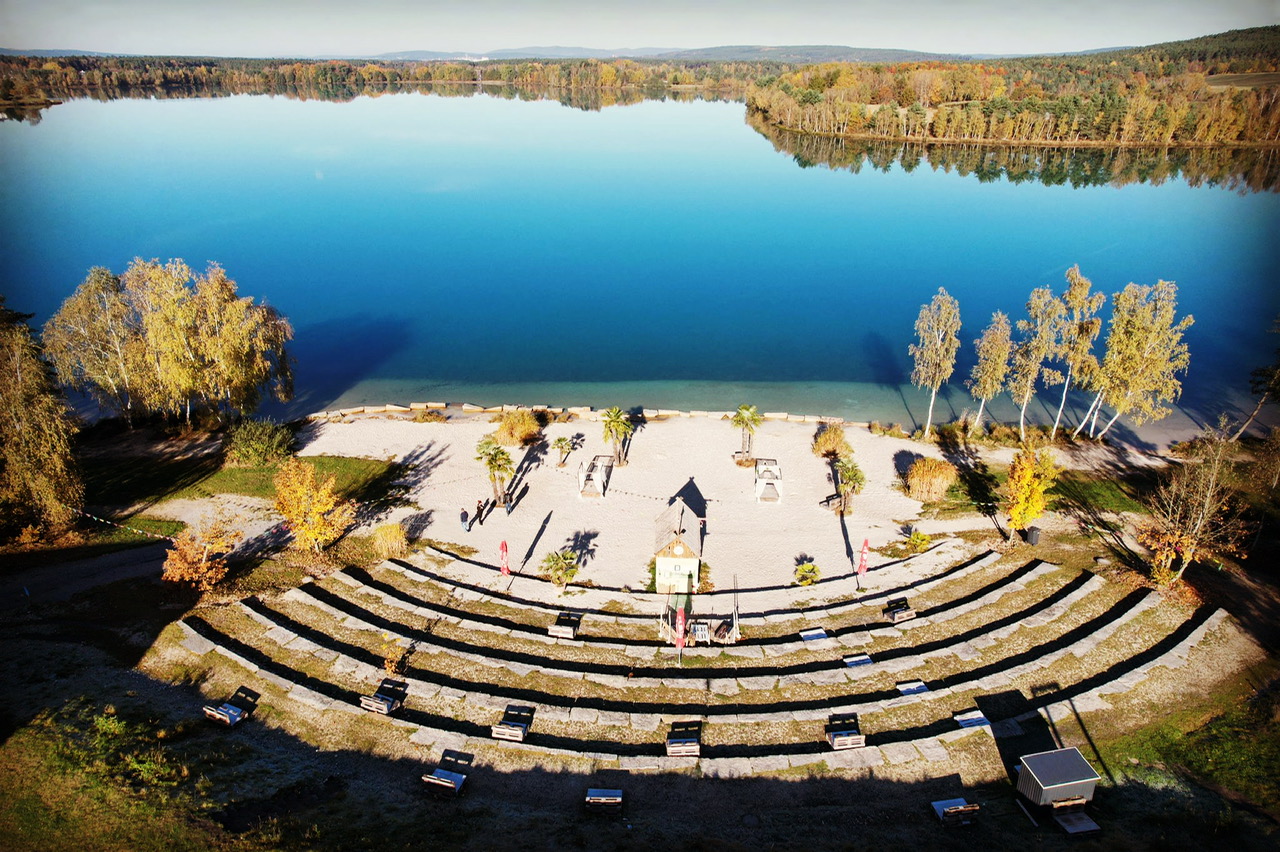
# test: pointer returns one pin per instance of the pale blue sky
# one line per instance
(317, 27)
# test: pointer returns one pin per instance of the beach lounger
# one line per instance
(912, 687)
(387, 698)
(854, 660)
(235, 709)
(971, 719)
(449, 778)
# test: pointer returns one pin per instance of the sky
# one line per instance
(328, 27)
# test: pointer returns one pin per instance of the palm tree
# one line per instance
(564, 446)
(617, 428)
(499, 464)
(849, 480)
(746, 418)
(560, 567)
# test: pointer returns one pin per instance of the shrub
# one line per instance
(705, 586)
(928, 479)
(389, 541)
(807, 574)
(257, 443)
(430, 415)
(918, 542)
(517, 428)
(560, 567)
(830, 443)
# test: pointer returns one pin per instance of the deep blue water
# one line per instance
(661, 254)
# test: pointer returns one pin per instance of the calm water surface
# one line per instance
(661, 254)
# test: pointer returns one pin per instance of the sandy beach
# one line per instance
(759, 544)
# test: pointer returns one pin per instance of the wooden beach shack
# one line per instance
(677, 550)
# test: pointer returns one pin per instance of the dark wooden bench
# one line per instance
(234, 710)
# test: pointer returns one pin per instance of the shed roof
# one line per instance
(1059, 767)
(678, 522)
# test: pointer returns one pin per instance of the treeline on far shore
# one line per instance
(1243, 169)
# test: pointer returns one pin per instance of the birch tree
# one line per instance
(1145, 354)
(1040, 341)
(988, 375)
(937, 329)
(39, 485)
(1080, 328)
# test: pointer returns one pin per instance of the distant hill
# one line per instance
(4, 51)
(802, 54)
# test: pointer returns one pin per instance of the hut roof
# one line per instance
(678, 523)
(1059, 767)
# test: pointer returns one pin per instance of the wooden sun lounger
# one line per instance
(684, 739)
(388, 698)
(566, 626)
(515, 724)
(444, 783)
(604, 800)
(844, 732)
(898, 609)
(956, 812)
(235, 709)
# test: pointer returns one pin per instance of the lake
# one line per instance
(661, 254)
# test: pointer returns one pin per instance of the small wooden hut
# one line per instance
(677, 550)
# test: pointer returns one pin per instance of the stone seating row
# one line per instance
(425, 683)
(721, 680)
(445, 735)
(849, 635)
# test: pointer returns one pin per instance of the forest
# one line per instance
(1169, 94)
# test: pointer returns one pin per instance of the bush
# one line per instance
(517, 429)
(807, 574)
(928, 479)
(831, 443)
(918, 542)
(257, 443)
(389, 541)
(430, 415)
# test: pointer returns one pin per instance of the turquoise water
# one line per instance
(661, 254)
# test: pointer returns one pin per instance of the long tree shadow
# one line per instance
(977, 480)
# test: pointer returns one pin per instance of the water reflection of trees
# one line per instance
(576, 98)
(1240, 169)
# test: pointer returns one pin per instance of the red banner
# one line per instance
(680, 627)
(502, 549)
(862, 559)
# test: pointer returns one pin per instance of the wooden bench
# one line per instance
(234, 710)
(515, 724)
(444, 783)
(844, 732)
(387, 698)
(604, 800)
(898, 609)
(566, 626)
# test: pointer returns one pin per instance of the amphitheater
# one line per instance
(998, 630)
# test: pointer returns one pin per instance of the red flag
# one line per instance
(502, 549)
(862, 559)
(680, 627)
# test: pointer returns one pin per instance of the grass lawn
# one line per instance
(117, 482)
(94, 539)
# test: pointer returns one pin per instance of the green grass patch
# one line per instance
(1077, 490)
(92, 539)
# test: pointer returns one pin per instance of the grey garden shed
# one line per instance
(1055, 776)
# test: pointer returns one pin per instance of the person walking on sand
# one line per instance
(480, 512)
(466, 527)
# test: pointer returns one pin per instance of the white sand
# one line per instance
(758, 542)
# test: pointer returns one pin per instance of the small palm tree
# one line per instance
(849, 480)
(617, 428)
(560, 567)
(498, 462)
(564, 446)
(746, 418)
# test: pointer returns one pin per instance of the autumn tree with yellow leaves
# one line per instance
(1031, 474)
(199, 554)
(312, 509)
